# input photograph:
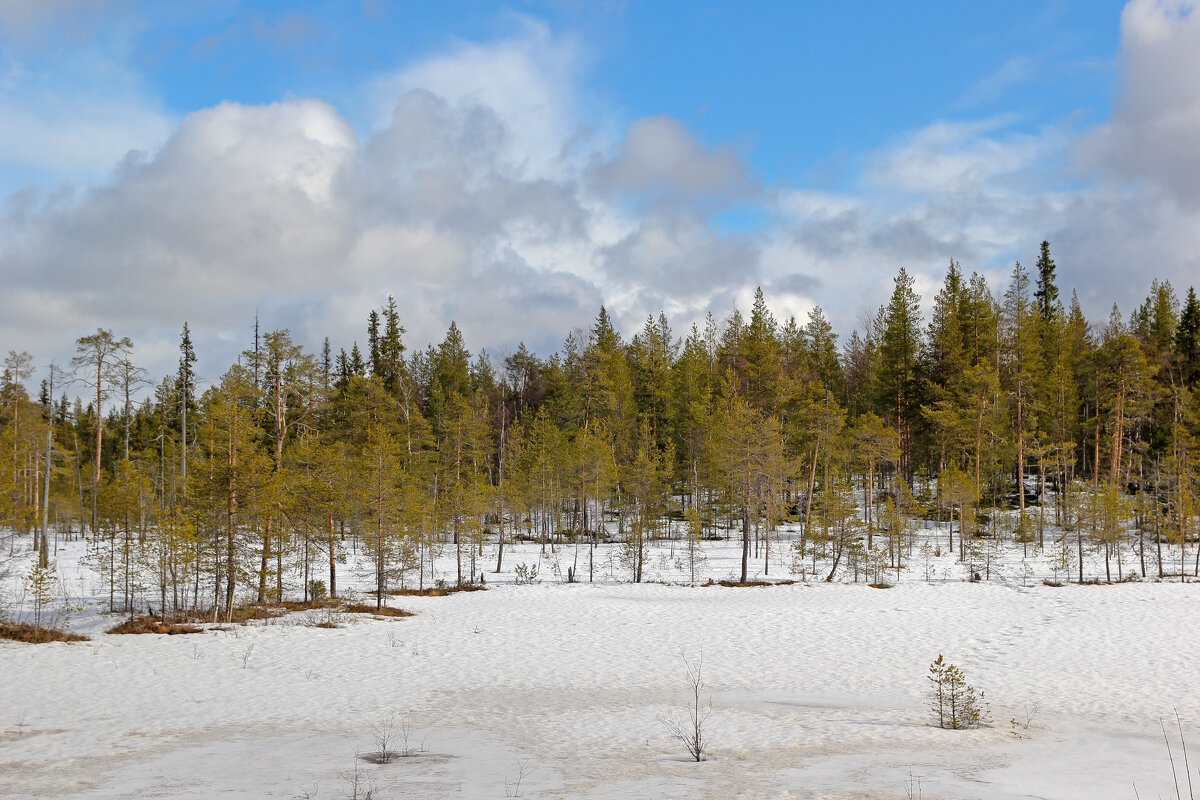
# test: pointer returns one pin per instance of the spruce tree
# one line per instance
(389, 362)
(1046, 295)
(1187, 340)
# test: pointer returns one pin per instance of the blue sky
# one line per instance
(798, 88)
(514, 166)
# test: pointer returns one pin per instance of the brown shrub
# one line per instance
(299, 605)
(385, 611)
(247, 613)
(24, 632)
(437, 591)
(149, 624)
(750, 583)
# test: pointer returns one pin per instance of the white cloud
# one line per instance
(476, 198)
(1015, 71)
(949, 157)
(527, 82)
(1156, 122)
(279, 209)
(659, 156)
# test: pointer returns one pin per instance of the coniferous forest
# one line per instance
(256, 486)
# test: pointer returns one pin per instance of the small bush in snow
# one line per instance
(525, 573)
(689, 729)
(954, 703)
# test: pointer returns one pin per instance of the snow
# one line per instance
(818, 691)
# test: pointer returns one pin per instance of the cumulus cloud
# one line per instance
(1156, 122)
(1119, 203)
(473, 198)
(660, 157)
(526, 83)
(676, 261)
(483, 194)
(975, 192)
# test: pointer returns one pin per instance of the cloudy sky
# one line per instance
(512, 167)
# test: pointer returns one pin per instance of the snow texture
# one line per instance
(818, 691)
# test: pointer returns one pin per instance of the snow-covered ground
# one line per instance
(818, 691)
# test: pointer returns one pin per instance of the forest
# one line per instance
(256, 487)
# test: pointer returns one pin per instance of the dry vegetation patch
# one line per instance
(33, 634)
(384, 611)
(149, 624)
(436, 591)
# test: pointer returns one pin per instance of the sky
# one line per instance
(512, 167)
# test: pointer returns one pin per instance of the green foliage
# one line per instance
(40, 583)
(954, 703)
(289, 462)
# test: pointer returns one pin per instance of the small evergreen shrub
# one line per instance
(954, 703)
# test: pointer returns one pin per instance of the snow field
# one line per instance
(818, 691)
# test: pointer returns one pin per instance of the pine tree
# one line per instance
(185, 386)
(651, 354)
(820, 352)
(1020, 351)
(96, 355)
(876, 445)
(1125, 389)
(900, 347)
(235, 467)
(955, 703)
(648, 481)
(762, 366)
(748, 450)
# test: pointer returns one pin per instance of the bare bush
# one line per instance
(395, 739)
(1187, 767)
(688, 728)
(512, 786)
(358, 785)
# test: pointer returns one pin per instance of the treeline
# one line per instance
(260, 483)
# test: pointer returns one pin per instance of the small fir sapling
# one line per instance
(955, 704)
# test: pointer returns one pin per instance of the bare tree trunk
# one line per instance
(332, 563)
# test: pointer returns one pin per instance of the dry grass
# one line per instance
(436, 591)
(24, 632)
(149, 624)
(749, 583)
(306, 605)
(385, 611)
(247, 613)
